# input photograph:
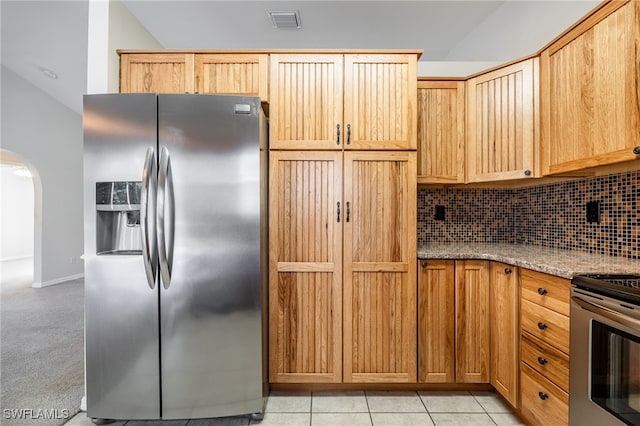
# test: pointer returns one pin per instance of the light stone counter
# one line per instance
(562, 263)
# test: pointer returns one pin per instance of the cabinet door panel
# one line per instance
(504, 331)
(306, 101)
(379, 267)
(380, 101)
(441, 131)
(500, 127)
(156, 73)
(232, 74)
(472, 321)
(305, 240)
(591, 80)
(436, 321)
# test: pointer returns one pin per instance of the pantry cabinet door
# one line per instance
(380, 102)
(306, 102)
(305, 267)
(380, 267)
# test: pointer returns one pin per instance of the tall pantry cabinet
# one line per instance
(342, 217)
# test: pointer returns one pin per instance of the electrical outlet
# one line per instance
(440, 213)
(593, 212)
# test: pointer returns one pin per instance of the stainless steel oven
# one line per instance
(605, 351)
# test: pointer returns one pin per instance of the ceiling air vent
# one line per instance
(283, 20)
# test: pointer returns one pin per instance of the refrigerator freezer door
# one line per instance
(121, 310)
(211, 352)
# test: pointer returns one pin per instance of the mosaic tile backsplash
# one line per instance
(551, 215)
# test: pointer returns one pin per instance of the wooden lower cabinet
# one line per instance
(543, 403)
(436, 321)
(504, 330)
(472, 321)
(453, 318)
(544, 348)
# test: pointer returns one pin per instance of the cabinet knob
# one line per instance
(542, 291)
(527, 172)
(636, 150)
(543, 395)
(423, 263)
(507, 270)
(542, 325)
(542, 361)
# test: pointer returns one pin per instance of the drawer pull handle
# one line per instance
(542, 291)
(543, 395)
(542, 361)
(542, 325)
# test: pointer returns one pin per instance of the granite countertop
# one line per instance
(562, 263)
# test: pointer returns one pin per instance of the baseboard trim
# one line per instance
(57, 281)
(14, 258)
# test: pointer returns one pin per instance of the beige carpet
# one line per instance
(41, 353)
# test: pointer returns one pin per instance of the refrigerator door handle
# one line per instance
(147, 213)
(165, 213)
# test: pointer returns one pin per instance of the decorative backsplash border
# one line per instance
(550, 215)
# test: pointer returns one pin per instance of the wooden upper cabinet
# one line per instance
(591, 92)
(505, 330)
(501, 123)
(436, 321)
(380, 109)
(473, 352)
(232, 74)
(379, 219)
(156, 73)
(305, 267)
(343, 101)
(441, 131)
(306, 101)
(223, 73)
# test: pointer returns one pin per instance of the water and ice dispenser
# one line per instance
(118, 218)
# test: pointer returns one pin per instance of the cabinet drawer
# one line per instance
(545, 290)
(545, 324)
(546, 360)
(543, 403)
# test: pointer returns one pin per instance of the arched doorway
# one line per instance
(19, 225)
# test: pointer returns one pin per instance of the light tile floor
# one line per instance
(363, 408)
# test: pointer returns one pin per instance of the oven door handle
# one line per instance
(607, 313)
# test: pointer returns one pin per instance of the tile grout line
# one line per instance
(366, 400)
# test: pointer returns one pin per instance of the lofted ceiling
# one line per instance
(53, 34)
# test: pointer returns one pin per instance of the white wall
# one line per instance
(125, 32)
(48, 136)
(110, 27)
(514, 29)
(453, 68)
(16, 213)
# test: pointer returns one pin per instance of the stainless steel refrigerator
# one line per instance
(175, 255)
